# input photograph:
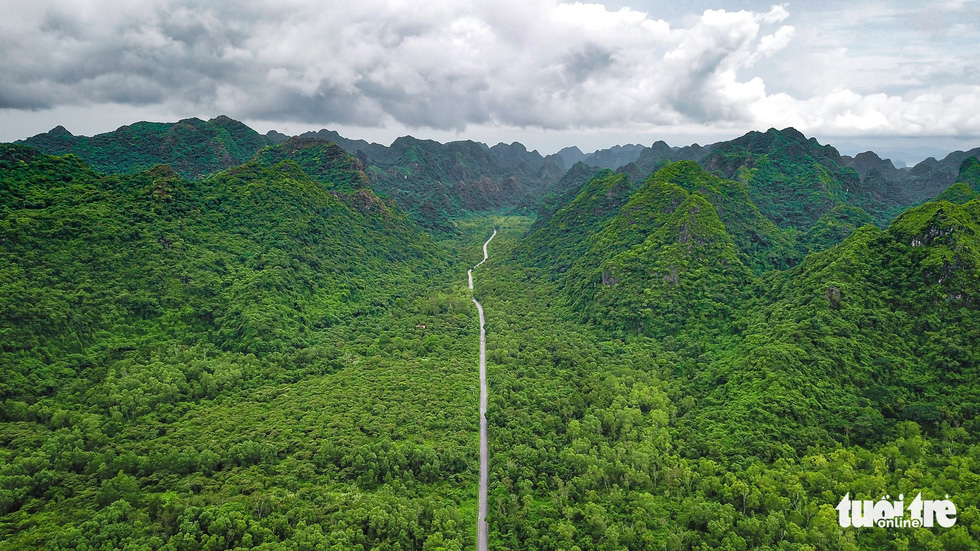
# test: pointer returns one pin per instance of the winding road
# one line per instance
(481, 518)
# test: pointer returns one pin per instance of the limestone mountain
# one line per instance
(434, 181)
(324, 161)
(796, 181)
(610, 157)
(686, 273)
(958, 193)
(930, 177)
(759, 244)
(192, 147)
(250, 259)
(564, 238)
(970, 173)
(847, 344)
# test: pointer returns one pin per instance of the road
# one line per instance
(469, 273)
(481, 518)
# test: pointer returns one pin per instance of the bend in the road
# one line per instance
(481, 519)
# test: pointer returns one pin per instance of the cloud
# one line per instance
(440, 64)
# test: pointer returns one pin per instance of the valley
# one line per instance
(253, 342)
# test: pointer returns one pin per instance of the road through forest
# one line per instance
(481, 518)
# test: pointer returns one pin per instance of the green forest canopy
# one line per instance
(273, 354)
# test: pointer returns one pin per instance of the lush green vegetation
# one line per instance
(435, 182)
(272, 355)
(833, 227)
(323, 161)
(826, 379)
(794, 181)
(191, 147)
(852, 369)
(229, 362)
(970, 173)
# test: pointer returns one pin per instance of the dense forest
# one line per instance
(214, 339)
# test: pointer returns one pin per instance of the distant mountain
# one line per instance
(794, 181)
(352, 146)
(435, 181)
(779, 183)
(864, 163)
(274, 137)
(614, 157)
(881, 188)
(560, 193)
(930, 177)
(779, 195)
(192, 147)
(652, 158)
(760, 245)
(570, 155)
(516, 157)
(563, 239)
(432, 181)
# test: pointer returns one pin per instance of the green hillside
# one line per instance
(970, 173)
(192, 147)
(322, 161)
(173, 351)
(958, 193)
(686, 273)
(573, 225)
(833, 227)
(434, 181)
(587, 241)
(738, 425)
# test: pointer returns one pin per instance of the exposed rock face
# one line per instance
(863, 163)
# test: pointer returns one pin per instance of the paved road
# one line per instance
(481, 518)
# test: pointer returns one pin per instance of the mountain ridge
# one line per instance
(794, 179)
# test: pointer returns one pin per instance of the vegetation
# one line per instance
(273, 355)
(192, 147)
(970, 173)
(833, 227)
(323, 161)
(228, 362)
(434, 182)
(602, 440)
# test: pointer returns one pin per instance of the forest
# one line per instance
(235, 342)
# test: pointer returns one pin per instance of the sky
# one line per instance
(897, 77)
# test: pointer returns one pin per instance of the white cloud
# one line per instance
(451, 65)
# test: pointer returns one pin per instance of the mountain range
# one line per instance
(434, 181)
(213, 338)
